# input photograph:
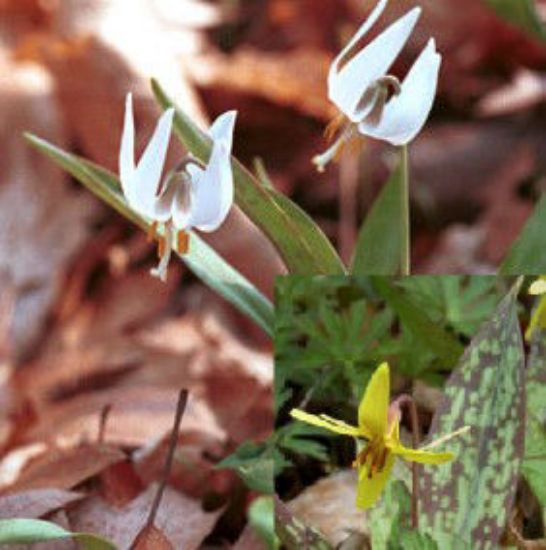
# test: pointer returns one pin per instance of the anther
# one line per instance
(182, 242)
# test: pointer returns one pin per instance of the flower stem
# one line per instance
(405, 262)
(408, 402)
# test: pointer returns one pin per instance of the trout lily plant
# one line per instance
(192, 195)
(378, 438)
(373, 102)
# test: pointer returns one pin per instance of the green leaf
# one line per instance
(27, 531)
(522, 14)
(534, 463)
(381, 238)
(430, 334)
(527, 254)
(471, 497)
(254, 462)
(389, 522)
(300, 242)
(209, 266)
(261, 518)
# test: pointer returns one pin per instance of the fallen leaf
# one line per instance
(35, 503)
(180, 518)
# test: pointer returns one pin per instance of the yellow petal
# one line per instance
(538, 318)
(373, 409)
(324, 421)
(423, 457)
(538, 286)
(369, 490)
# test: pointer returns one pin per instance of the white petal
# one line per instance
(347, 86)
(127, 149)
(222, 128)
(163, 204)
(182, 204)
(405, 114)
(212, 193)
(147, 176)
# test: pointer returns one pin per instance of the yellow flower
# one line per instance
(380, 428)
(538, 318)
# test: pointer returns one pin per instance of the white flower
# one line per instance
(373, 102)
(191, 196)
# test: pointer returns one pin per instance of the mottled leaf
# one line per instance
(466, 503)
(300, 242)
(210, 267)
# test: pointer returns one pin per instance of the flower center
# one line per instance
(374, 455)
(175, 190)
(369, 109)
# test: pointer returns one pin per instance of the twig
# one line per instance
(409, 403)
(180, 407)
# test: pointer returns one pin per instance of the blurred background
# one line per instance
(78, 308)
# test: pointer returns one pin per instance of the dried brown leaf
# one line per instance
(35, 503)
(180, 518)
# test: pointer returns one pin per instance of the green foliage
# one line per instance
(201, 259)
(382, 236)
(526, 255)
(331, 332)
(254, 462)
(28, 531)
(262, 520)
(469, 499)
(298, 239)
(521, 13)
(534, 462)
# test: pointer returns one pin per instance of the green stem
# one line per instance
(405, 262)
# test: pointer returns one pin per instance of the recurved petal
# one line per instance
(324, 421)
(347, 86)
(222, 128)
(212, 194)
(370, 488)
(147, 175)
(423, 457)
(405, 114)
(127, 148)
(374, 407)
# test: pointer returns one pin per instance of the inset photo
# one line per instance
(410, 411)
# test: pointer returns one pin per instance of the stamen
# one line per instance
(182, 242)
(164, 252)
(152, 231)
(333, 126)
(320, 161)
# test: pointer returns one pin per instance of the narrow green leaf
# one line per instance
(522, 14)
(300, 242)
(28, 531)
(209, 266)
(534, 463)
(528, 253)
(380, 243)
(469, 499)
(432, 335)
(261, 518)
